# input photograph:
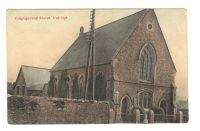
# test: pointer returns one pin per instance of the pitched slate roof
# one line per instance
(35, 77)
(109, 38)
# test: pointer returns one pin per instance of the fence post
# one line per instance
(180, 117)
(151, 116)
(136, 116)
(112, 116)
(145, 121)
(174, 117)
(117, 107)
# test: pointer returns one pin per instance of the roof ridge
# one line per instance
(144, 10)
(34, 67)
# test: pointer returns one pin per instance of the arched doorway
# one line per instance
(163, 105)
(125, 105)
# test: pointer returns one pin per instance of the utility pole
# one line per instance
(91, 56)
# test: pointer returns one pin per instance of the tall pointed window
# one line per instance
(147, 63)
(81, 87)
(100, 87)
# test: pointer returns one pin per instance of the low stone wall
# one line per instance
(45, 110)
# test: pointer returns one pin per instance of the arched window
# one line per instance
(23, 90)
(81, 87)
(55, 86)
(75, 87)
(100, 87)
(63, 89)
(145, 99)
(147, 63)
(68, 85)
(18, 90)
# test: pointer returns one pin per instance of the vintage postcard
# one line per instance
(97, 66)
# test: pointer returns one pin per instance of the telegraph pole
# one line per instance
(91, 54)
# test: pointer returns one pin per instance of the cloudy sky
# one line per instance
(34, 39)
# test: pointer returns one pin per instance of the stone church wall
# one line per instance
(104, 68)
(126, 70)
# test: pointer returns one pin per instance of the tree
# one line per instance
(10, 88)
(51, 86)
(63, 87)
(75, 88)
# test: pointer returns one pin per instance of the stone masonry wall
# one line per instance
(126, 63)
(44, 110)
(20, 82)
(104, 68)
(127, 68)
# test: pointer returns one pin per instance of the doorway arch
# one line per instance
(125, 107)
(163, 105)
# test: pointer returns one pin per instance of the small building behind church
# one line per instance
(32, 81)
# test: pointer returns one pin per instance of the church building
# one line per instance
(133, 67)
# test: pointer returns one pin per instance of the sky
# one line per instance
(40, 37)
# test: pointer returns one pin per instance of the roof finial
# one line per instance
(81, 30)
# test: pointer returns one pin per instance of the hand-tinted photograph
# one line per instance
(97, 66)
